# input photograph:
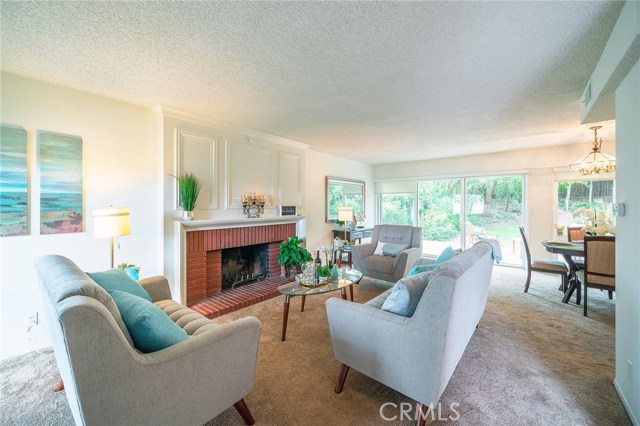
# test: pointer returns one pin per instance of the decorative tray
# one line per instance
(323, 281)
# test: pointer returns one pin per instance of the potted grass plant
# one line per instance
(292, 256)
(188, 188)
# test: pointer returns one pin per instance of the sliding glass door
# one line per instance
(494, 210)
(458, 212)
(397, 209)
(439, 207)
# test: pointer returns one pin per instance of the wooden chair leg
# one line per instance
(342, 376)
(610, 294)
(422, 411)
(60, 387)
(526, 285)
(244, 412)
(584, 312)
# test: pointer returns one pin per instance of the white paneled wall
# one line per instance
(230, 161)
(249, 167)
(197, 154)
(290, 170)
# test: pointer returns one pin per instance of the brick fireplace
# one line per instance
(204, 255)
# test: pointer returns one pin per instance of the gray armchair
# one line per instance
(389, 268)
(107, 381)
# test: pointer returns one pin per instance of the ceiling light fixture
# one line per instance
(595, 161)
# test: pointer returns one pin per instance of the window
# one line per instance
(396, 209)
(577, 200)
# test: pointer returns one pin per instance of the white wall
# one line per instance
(627, 112)
(318, 166)
(617, 77)
(539, 163)
(120, 160)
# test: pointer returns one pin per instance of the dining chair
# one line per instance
(599, 265)
(544, 266)
(577, 233)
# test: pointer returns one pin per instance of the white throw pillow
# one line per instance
(379, 249)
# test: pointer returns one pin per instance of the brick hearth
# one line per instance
(204, 269)
(238, 298)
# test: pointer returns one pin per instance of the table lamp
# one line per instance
(110, 223)
(345, 214)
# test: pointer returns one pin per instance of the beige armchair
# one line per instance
(108, 382)
(389, 268)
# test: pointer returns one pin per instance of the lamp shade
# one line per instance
(111, 222)
(345, 214)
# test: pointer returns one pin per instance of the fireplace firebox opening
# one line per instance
(242, 265)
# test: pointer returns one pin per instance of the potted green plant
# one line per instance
(132, 270)
(188, 188)
(293, 256)
(324, 271)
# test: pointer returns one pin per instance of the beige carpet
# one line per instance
(533, 361)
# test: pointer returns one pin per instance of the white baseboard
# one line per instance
(625, 403)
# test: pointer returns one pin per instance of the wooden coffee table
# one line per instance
(351, 277)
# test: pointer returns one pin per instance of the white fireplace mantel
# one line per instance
(200, 225)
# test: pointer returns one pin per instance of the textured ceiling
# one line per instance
(378, 82)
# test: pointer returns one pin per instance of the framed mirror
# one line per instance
(343, 192)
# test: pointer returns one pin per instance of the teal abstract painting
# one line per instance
(14, 191)
(61, 191)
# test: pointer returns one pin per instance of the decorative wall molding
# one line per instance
(290, 174)
(248, 168)
(197, 154)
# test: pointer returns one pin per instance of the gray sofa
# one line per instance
(107, 381)
(388, 268)
(415, 355)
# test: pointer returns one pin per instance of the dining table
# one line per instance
(568, 250)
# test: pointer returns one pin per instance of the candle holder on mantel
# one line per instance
(253, 204)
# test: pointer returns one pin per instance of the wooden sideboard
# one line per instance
(356, 234)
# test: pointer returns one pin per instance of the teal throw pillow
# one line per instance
(447, 254)
(149, 327)
(116, 279)
(405, 295)
(421, 268)
(390, 249)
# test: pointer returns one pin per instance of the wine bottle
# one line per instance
(318, 264)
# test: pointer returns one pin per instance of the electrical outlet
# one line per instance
(32, 319)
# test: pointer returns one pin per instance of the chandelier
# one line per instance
(595, 161)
